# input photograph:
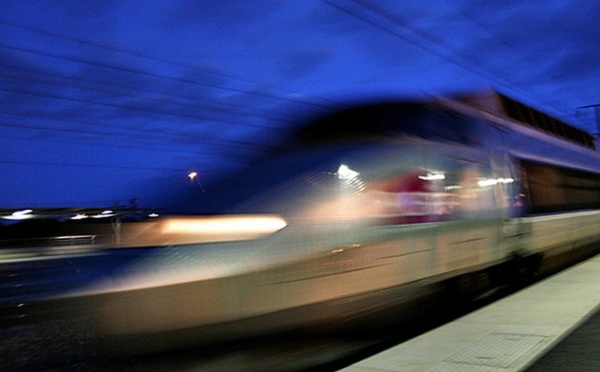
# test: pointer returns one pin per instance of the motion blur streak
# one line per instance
(235, 227)
(181, 230)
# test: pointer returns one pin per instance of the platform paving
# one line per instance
(511, 334)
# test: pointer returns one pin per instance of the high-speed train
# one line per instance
(372, 208)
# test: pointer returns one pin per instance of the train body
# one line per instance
(376, 208)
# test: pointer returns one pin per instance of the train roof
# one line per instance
(521, 114)
(530, 134)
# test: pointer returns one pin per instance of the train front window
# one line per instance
(402, 183)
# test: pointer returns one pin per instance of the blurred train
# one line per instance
(371, 208)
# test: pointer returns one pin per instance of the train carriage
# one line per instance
(378, 206)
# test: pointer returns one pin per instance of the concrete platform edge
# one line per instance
(508, 335)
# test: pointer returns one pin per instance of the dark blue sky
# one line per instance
(105, 101)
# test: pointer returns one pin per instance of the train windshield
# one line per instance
(410, 182)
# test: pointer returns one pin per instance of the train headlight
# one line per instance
(224, 228)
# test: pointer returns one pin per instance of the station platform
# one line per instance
(534, 329)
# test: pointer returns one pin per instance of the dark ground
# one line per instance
(580, 351)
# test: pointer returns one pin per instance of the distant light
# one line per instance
(192, 175)
(103, 214)
(345, 173)
(79, 216)
(23, 212)
(494, 181)
(153, 215)
(433, 176)
(20, 215)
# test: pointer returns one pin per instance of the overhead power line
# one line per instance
(314, 100)
(171, 98)
(141, 109)
(373, 15)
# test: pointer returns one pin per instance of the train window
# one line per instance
(468, 178)
(448, 189)
(412, 196)
(555, 189)
(476, 191)
(406, 183)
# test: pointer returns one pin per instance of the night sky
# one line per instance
(107, 101)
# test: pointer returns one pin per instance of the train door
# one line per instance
(469, 182)
(510, 199)
(504, 184)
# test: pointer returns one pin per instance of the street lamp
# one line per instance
(193, 176)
